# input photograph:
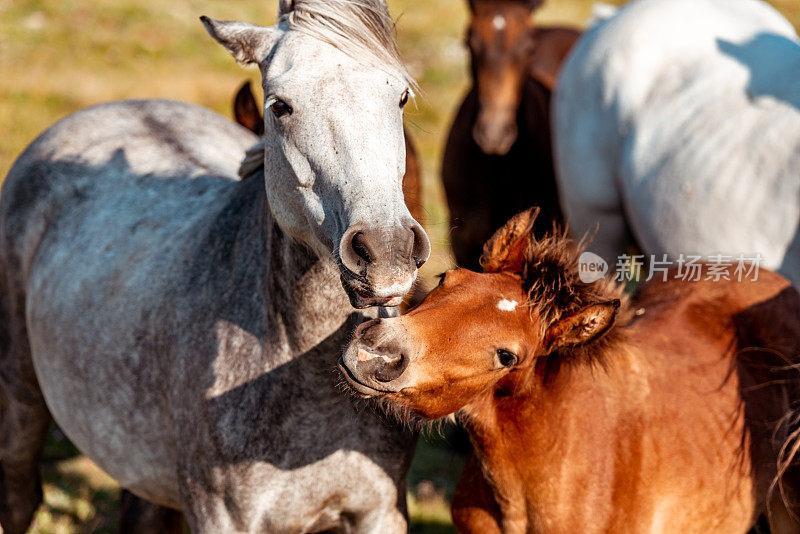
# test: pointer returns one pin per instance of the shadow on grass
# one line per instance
(80, 499)
(435, 470)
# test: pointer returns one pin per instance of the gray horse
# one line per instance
(182, 326)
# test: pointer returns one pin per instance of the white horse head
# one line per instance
(334, 91)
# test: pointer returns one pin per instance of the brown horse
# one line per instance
(248, 114)
(500, 139)
(590, 412)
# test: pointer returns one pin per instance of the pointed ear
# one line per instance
(246, 110)
(533, 4)
(247, 42)
(505, 251)
(582, 326)
(285, 6)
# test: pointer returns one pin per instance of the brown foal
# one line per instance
(592, 412)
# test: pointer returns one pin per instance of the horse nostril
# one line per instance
(360, 247)
(421, 247)
(392, 369)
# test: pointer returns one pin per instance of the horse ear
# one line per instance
(505, 251)
(533, 4)
(285, 6)
(582, 326)
(246, 110)
(247, 42)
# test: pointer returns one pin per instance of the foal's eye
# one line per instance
(281, 108)
(404, 98)
(506, 358)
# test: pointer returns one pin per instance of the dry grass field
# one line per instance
(57, 56)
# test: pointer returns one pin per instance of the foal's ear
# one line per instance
(247, 42)
(582, 326)
(505, 250)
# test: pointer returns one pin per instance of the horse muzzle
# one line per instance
(375, 361)
(495, 135)
(378, 266)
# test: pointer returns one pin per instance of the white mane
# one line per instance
(362, 29)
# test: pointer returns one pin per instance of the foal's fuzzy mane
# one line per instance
(362, 29)
(550, 277)
(551, 280)
(548, 268)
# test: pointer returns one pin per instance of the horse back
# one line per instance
(102, 150)
(743, 337)
(100, 220)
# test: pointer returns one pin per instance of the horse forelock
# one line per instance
(555, 290)
(362, 29)
(550, 278)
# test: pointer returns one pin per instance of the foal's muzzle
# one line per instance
(379, 265)
(376, 359)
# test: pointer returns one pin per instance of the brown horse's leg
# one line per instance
(24, 418)
(138, 516)
(474, 508)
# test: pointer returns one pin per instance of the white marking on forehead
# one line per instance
(507, 305)
(499, 22)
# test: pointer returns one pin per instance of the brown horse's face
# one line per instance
(501, 40)
(471, 331)
(468, 334)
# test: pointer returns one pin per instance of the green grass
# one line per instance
(57, 56)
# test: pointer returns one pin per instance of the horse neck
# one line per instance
(302, 293)
(529, 434)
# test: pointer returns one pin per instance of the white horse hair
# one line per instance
(678, 122)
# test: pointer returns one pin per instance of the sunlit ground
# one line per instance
(57, 56)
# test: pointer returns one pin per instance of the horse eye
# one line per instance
(281, 108)
(404, 98)
(506, 358)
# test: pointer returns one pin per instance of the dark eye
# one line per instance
(506, 358)
(281, 108)
(404, 98)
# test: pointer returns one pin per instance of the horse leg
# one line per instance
(24, 428)
(24, 419)
(474, 508)
(138, 516)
